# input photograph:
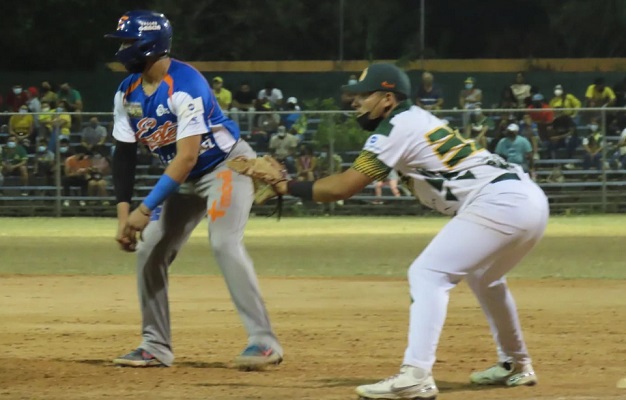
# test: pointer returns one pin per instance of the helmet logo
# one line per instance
(387, 85)
(120, 23)
(363, 75)
(149, 26)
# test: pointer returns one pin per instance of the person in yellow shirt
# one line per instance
(565, 100)
(599, 95)
(224, 96)
(62, 120)
(22, 124)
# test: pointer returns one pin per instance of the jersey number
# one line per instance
(450, 146)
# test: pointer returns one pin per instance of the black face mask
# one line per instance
(368, 124)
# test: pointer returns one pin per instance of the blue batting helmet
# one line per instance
(151, 36)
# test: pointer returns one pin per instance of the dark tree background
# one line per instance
(67, 34)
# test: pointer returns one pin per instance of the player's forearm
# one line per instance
(124, 165)
(180, 167)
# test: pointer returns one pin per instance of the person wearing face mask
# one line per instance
(516, 149)
(45, 118)
(16, 98)
(94, 135)
(283, 147)
(71, 96)
(592, 146)
(562, 99)
(14, 160)
(498, 215)
(44, 162)
(470, 97)
(62, 121)
(22, 125)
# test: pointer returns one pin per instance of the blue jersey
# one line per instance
(183, 105)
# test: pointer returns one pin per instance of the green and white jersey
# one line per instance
(445, 169)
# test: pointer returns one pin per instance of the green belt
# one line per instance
(509, 176)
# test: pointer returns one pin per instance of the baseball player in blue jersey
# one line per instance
(168, 106)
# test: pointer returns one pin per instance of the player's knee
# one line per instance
(225, 247)
(420, 273)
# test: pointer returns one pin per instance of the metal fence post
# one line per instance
(331, 154)
(604, 144)
(57, 172)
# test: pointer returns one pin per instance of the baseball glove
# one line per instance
(265, 172)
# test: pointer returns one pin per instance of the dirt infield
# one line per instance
(58, 334)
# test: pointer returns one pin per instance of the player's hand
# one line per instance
(125, 242)
(137, 222)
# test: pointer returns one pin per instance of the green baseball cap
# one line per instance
(381, 77)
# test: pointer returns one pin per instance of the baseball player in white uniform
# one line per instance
(499, 214)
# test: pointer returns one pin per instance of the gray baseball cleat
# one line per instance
(506, 373)
(411, 383)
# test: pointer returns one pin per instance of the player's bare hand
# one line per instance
(125, 242)
(136, 223)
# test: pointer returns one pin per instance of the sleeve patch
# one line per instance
(368, 164)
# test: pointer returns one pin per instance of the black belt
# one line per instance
(509, 176)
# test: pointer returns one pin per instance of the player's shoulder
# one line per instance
(129, 82)
(186, 78)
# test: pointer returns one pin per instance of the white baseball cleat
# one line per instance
(411, 383)
(507, 374)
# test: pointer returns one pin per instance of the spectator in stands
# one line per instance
(618, 158)
(521, 89)
(64, 148)
(562, 135)
(283, 147)
(271, 93)
(599, 95)
(470, 97)
(592, 144)
(77, 173)
(100, 169)
(324, 163)
(267, 123)
(528, 129)
(72, 97)
(542, 118)
(507, 99)
(480, 127)
(562, 99)
(516, 149)
(16, 98)
(62, 121)
(14, 161)
(33, 103)
(22, 125)
(93, 136)
(44, 162)
(244, 99)
(224, 96)
(392, 180)
(45, 118)
(306, 164)
(48, 95)
(429, 96)
(295, 122)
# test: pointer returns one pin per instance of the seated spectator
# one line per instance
(295, 122)
(64, 149)
(14, 161)
(77, 173)
(47, 95)
(507, 99)
(306, 164)
(74, 104)
(283, 147)
(33, 103)
(267, 122)
(542, 118)
(45, 119)
(94, 135)
(392, 180)
(506, 119)
(272, 94)
(599, 95)
(618, 158)
(480, 125)
(100, 169)
(22, 125)
(324, 167)
(16, 98)
(243, 99)
(562, 99)
(469, 98)
(562, 135)
(429, 96)
(224, 96)
(44, 162)
(592, 144)
(62, 121)
(521, 89)
(516, 149)
(528, 129)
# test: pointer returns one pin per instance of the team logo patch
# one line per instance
(134, 109)
(191, 107)
(161, 110)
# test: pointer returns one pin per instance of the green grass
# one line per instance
(574, 247)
